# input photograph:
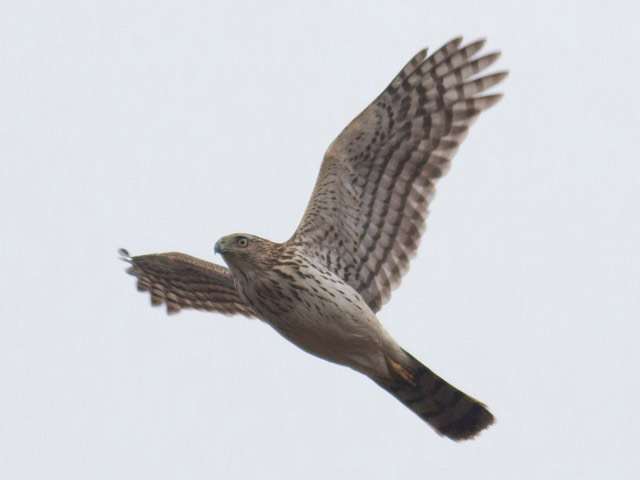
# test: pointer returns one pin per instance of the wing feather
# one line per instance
(368, 209)
(184, 282)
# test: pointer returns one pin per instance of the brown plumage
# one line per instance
(363, 224)
(182, 281)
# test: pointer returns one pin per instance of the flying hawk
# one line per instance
(321, 289)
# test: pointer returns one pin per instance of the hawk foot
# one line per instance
(400, 370)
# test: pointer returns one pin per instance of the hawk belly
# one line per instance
(317, 311)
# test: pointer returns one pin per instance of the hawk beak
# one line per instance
(219, 247)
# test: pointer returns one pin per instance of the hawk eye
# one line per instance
(242, 242)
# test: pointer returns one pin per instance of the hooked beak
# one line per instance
(219, 247)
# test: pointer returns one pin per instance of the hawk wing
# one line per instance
(181, 281)
(368, 208)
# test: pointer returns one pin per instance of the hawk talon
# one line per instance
(400, 370)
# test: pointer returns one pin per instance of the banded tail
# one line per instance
(446, 409)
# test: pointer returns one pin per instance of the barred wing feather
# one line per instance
(181, 282)
(368, 208)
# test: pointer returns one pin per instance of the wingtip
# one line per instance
(456, 41)
(491, 57)
(124, 255)
(477, 44)
(488, 101)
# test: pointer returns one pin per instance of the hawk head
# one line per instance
(242, 251)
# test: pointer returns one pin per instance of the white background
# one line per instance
(159, 127)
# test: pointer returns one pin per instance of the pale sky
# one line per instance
(162, 127)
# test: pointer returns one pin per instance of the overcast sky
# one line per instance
(162, 127)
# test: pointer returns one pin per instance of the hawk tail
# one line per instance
(446, 409)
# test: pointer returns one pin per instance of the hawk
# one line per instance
(321, 289)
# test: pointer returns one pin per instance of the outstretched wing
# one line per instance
(368, 208)
(181, 281)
